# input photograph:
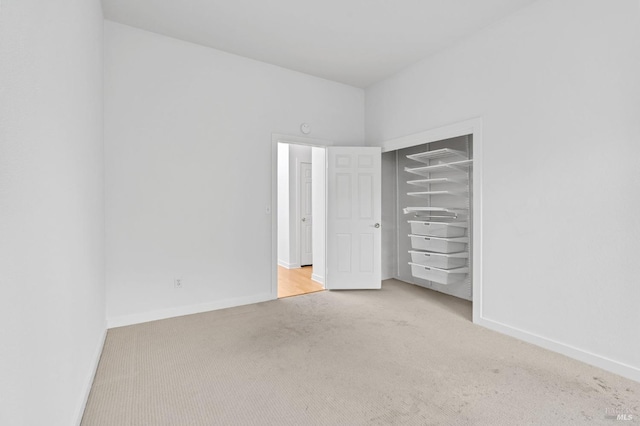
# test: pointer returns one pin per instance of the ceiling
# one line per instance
(357, 42)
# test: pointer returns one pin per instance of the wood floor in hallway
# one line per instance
(294, 282)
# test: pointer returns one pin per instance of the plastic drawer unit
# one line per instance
(438, 229)
(439, 260)
(442, 276)
(438, 244)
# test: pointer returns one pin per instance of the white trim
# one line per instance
(275, 139)
(468, 127)
(92, 374)
(461, 128)
(616, 367)
(125, 320)
(317, 278)
(299, 140)
(288, 265)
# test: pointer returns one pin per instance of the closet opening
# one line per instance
(300, 219)
(427, 211)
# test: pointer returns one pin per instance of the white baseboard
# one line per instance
(613, 366)
(288, 265)
(92, 374)
(317, 278)
(125, 320)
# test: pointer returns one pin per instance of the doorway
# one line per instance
(300, 198)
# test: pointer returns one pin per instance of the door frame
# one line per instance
(295, 140)
(468, 127)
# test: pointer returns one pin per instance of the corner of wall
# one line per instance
(95, 361)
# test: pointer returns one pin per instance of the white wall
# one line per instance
(318, 211)
(557, 87)
(188, 169)
(52, 307)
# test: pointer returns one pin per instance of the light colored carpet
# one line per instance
(401, 355)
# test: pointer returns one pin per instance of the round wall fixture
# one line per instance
(305, 128)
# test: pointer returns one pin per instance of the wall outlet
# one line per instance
(178, 283)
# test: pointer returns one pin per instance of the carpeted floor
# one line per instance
(401, 355)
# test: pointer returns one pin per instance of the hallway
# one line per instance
(294, 282)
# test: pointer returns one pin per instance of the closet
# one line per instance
(431, 221)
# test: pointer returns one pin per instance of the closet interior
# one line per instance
(431, 220)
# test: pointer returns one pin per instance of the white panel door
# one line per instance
(306, 218)
(353, 218)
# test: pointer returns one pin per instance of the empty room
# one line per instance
(344, 212)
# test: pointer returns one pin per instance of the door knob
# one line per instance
(304, 219)
(377, 225)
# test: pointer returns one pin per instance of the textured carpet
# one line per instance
(401, 355)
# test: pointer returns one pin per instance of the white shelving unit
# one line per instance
(439, 219)
(438, 154)
(426, 183)
(445, 212)
(455, 166)
(425, 194)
